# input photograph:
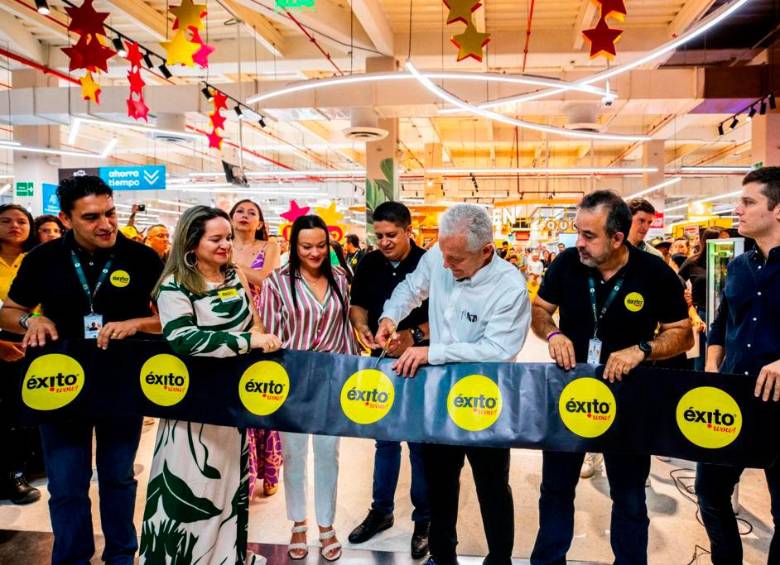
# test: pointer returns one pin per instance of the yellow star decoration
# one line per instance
(188, 14)
(330, 215)
(460, 10)
(180, 50)
(90, 90)
(470, 43)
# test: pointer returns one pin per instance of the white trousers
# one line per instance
(295, 448)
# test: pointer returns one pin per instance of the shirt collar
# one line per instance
(69, 240)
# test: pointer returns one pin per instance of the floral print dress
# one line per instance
(197, 504)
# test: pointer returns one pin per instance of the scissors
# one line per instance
(384, 350)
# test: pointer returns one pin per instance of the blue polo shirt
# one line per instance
(747, 324)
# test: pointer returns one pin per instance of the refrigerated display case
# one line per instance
(719, 253)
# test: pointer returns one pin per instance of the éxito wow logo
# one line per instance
(165, 379)
(264, 387)
(52, 381)
(634, 301)
(120, 279)
(709, 417)
(587, 407)
(474, 403)
(367, 396)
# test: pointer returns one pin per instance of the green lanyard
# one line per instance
(83, 278)
(610, 299)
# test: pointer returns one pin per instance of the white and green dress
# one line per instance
(197, 504)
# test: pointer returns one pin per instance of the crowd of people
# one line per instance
(222, 288)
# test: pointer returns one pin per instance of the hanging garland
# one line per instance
(603, 38)
(186, 48)
(471, 42)
(90, 51)
(218, 103)
(136, 106)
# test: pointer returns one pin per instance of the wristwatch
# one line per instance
(417, 335)
(24, 321)
(646, 348)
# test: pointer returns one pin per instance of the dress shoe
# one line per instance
(372, 525)
(18, 490)
(420, 539)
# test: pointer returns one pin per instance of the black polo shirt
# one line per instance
(47, 277)
(651, 293)
(374, 283)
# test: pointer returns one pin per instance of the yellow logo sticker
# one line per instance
(634, 301)
(120, 279)
(709, 417)
(52, 381)
(587, 407)
(264, 387)
(165, 379)
(367, 396)
(474, 403)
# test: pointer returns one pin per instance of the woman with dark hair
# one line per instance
(257, 257)
(16, 238)
(205, 311)
(48, 227)
(306, 304)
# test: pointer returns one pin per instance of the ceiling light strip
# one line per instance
(658, 186)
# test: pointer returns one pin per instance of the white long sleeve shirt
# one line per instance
(484, 318)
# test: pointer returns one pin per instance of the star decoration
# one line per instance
(217, 120)
(136, 82)
(215, 140)
(180, 50)
(134, 56)
(201, 56)
(602, 39)
(84, 20)
(330, 215)
(88, 53)
(461, 10)
(470, 43)
(295, 212)
(219, 100)
(90, 90)
(613, 8)
(137, 109)
(189, 14)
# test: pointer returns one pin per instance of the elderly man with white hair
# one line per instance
(478, 310)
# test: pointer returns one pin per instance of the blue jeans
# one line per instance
(627, 474)
(387, 464)
(714, 487)
(67, 450)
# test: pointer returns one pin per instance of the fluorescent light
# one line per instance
(306, 173)
(545, 171)
(658, 186)
(109, 148)
(75, 126)
(715, 169)
(726, 211)
(710, 199)
(10, 143)
(454, 100)
(141, 127)
(6, 187)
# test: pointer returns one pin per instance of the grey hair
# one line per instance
(469, 220)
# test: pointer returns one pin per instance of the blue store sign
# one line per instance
(149, 177)
(51, 204)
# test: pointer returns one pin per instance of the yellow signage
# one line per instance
(165, 379)
(120, 279)
(474, 403)
(367, 396)
(587, 407)
(709, 417)
(52, 381)
(264, 387)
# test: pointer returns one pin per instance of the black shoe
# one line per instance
(371, 526)
(420, 539)
(19, 491)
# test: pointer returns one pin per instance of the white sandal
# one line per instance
(301, 546)
(335, 546)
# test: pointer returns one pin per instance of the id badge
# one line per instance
(92, 325)
(594, 351)
(228, 295)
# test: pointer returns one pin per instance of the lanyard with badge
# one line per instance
(92, 321)
(594, 345)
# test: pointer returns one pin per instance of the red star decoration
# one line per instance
(217, 120)
(96, 56)
(613, 8)
(602, 39)
(201, 56)
(136, 82)
(76, 55)
(215, 140)
(137, 109)
(219, 100)
(133, 54)
(295, 212)
(84, 20)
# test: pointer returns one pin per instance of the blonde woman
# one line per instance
(197, 505)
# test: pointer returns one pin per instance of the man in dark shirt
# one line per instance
(745, 339)
(611, 298)
(377, 275)
(92, 277)
(354, 252)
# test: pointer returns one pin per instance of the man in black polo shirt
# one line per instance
(91, 283)
(611, 298)
(745, 339)
(377, 275)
